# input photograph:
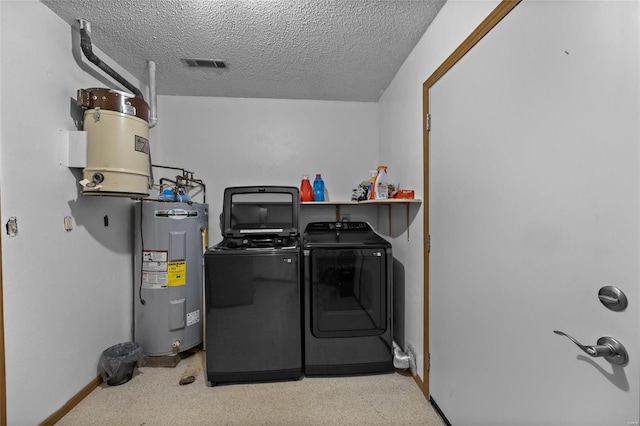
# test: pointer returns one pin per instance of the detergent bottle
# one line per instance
(380, 187)
(318, 188)
(306, 193)
(372, 180)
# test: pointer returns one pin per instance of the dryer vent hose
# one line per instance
(404, 360)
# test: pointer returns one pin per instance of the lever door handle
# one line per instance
(607, 347)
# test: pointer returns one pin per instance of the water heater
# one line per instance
(117, 129)
(170, 240)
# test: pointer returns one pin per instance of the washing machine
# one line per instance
(347, 300)
(253, 294)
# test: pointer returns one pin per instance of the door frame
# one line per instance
(476, 35)
(3, 381)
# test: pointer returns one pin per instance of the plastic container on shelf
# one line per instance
(380, 186)
(306, 193)
(318, 188)
(372, 179)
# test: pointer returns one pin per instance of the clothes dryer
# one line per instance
(347, 299)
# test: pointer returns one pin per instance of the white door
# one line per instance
(534, 206)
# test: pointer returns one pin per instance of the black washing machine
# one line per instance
(253, 293)
(347, 299)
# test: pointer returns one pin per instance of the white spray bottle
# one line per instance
(380, 188)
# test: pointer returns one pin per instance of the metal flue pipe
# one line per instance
(87, 49)
(153, 98)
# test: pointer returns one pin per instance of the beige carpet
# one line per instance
(155, 397)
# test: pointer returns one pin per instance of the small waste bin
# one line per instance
(118, 361)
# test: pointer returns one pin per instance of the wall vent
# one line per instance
(205, 63)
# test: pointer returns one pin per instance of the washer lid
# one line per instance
(251, 211)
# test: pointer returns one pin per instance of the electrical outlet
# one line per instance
(68, 223)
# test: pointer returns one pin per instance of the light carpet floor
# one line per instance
(155, 397)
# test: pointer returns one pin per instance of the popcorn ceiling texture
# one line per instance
(346, 50)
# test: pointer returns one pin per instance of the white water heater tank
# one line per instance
(117, 143)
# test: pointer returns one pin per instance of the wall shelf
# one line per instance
(389, 203)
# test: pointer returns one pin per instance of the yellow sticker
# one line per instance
(177, 273)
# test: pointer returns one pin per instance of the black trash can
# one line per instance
(118, 361)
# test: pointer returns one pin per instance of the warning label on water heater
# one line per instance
(154, 269)
(155, 255)
(177, 273)
(141, 144)
(158, 272)
(193, 317)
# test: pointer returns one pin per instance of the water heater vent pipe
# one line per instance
(87, 49)
(153, 98)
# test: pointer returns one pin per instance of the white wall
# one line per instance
(234, 141)
(401, 142)
(67, 295)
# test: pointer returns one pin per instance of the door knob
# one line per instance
(607, 347)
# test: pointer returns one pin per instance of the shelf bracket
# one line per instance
(406, 207)
(407, 219)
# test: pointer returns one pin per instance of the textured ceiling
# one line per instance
(346, 50)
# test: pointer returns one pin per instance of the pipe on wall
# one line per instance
(153, 98)
(87, 49)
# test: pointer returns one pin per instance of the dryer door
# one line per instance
(348, 292)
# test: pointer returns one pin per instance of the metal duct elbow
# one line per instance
(87, 49)
(404, 360)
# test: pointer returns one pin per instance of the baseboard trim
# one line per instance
(75, 400)
(420, 383)
(439, 411)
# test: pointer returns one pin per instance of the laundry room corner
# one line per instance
(66, 263)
